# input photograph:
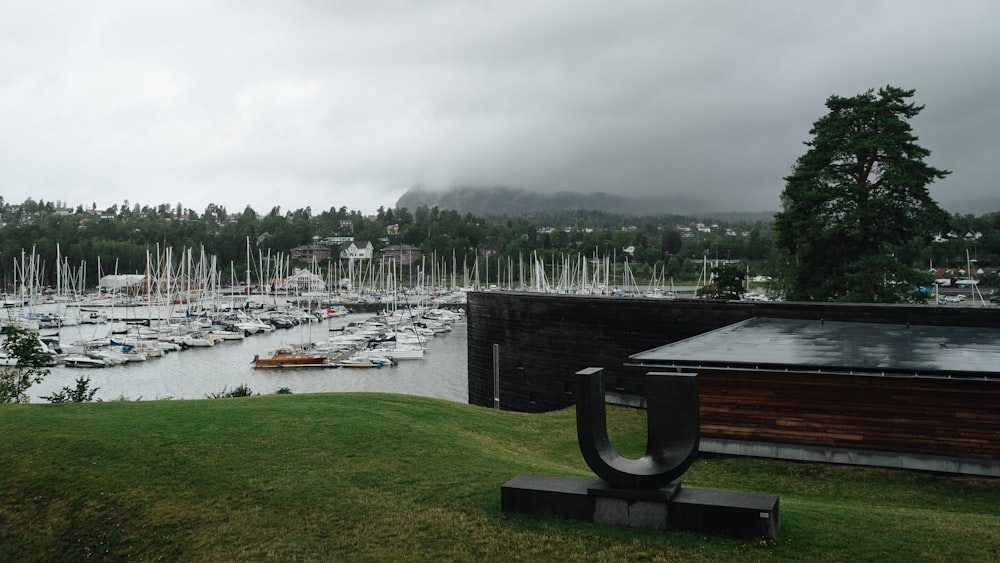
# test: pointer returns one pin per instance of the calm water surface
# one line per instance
(198, 372)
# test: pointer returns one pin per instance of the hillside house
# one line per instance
(402, 253)
(336, 241)
(487, 249)
(310, 252)
(357, 250)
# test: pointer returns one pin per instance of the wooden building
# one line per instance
(914, 411)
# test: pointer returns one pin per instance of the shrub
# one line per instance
(241, 390)
(82, 393)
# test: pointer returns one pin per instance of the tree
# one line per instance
(30, 368)
(727, 283)
(859, 190)
(670, 241)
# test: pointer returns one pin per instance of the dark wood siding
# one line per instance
(544, 339)
(946, 417)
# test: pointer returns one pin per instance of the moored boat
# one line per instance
(83, 361)
(228, 334)
(357, 363)
(366, 360)
(289, 357)
(397, 351)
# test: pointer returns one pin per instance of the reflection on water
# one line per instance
(198, 372)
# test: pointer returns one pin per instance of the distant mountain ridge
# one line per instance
(515, 201)
(507, 201)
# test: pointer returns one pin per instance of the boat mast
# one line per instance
(248, 269)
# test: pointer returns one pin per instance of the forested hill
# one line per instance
(505, 201)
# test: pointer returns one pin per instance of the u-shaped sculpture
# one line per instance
(673, 430)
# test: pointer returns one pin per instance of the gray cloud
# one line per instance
(327, 104)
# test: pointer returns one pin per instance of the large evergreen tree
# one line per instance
(859, 191)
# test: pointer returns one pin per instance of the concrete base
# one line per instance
(733, 514)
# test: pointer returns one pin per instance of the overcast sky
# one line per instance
(350, 103)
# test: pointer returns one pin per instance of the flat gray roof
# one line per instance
(770, 344)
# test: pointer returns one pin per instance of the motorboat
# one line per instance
(291, 357)
(229, 333)
(366, 360)
(399, 351)
(83, 361)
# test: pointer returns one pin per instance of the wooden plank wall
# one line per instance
(945, 417)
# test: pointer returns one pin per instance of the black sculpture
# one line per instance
(644, 492)
(672, 424)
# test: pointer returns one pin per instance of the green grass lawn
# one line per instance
(388, 477)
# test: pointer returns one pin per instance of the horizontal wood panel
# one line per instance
(903, 415)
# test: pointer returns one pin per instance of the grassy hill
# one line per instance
(388, 477)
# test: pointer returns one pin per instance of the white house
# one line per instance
(357, 250)
(336, 240)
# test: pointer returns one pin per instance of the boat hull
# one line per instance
(286, 359)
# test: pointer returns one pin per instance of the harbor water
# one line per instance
(198, 373)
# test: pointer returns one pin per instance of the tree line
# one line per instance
(121, 237)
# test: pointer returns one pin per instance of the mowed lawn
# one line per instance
(390, 477)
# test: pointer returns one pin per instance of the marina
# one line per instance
(198, 372)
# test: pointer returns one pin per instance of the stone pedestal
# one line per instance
(726, 513)
(733, 514)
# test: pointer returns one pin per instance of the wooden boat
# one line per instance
(289, 357)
